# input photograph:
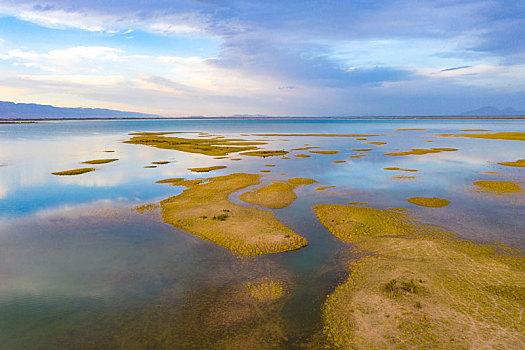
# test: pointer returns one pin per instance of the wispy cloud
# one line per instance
(455, 68)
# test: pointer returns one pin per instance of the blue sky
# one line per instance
(297, 58)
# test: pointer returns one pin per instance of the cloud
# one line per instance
(79, 58)
(455, 68)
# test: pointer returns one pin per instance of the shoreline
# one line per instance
(28, 120)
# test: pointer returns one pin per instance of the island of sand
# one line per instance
(420, 287)
(204, 210)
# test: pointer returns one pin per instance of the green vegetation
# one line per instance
(510, 136)
(265, 154)
(339, 161)
(302, 155)
(216, 146)
(420, 287)
(150, 166)
(377, 143)
(430, 202)
(498, 187)
(245, 231)
(358, 203)
(99, 161)
(207, 169)
(73, 171)
(264, 171)
(161, 162)
(276, 195)
(401, 169)
(421, 151)
(473, 130)
(519, 163)
(409, 129)
(361, 149)
(324, 152)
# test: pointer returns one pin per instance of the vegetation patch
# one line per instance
(264, 171)
(303, 148)
(473, 130)
(302, 155)
(510, 136)
(267, 290)
(421, 151)
(73, 171)
(322, 188)
(420, 287)
(150, 166)
(377, 143)
(361, 149)
(265, 154)
(178, 181)
(339, 161)
(403, 177)
(146, 208)
(324, 152)
(276, 195)
(498, 187)
(358, 203)
(401, 169)
(321, 135)
(409, 129)
(358, 156)
(99, 161)
(215, 146)
(430, 202)
(246, 231)
(161, 162)
(520, 163)
(207, 169)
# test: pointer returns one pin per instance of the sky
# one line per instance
(271, 57)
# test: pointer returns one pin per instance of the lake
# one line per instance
(79, 268)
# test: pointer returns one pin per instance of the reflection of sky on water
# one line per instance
(75, 238)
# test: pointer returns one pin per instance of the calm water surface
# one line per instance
(80, 269)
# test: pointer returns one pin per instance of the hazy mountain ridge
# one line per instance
(489, 111)
(11, 110)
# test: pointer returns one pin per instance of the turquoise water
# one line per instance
(80, 269)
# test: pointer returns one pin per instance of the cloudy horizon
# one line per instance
(293, 58)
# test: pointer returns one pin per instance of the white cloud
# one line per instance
(111, 22)
(78, 58)
(92, 80)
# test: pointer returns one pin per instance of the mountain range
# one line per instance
(11, 110)
(490, 111)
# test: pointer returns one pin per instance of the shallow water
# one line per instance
(80, 269)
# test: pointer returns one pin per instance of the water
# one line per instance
(80, 269)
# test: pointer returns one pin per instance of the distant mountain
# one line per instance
(493, 112)
(10, 110)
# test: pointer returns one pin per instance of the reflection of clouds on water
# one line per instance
(97, 178)
(3, 190)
